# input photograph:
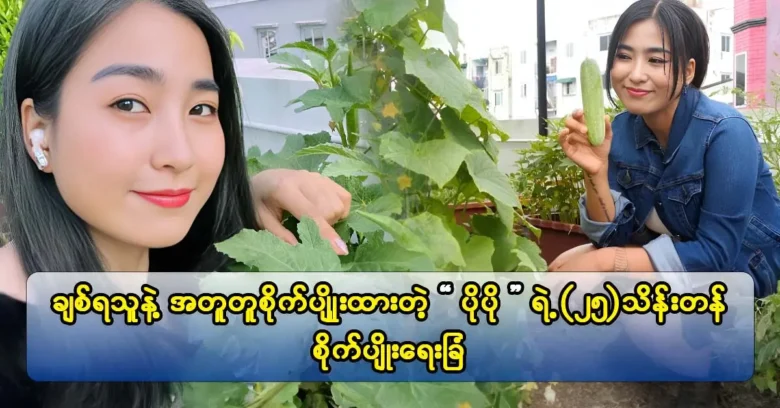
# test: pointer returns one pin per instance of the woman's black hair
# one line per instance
(682, 30)
(48, 39)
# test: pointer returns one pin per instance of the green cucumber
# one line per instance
(593, 101)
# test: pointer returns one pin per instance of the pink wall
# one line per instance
(753, 41)
(773, 42)
(747, 9)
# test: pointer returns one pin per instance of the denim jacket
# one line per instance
(710, 187)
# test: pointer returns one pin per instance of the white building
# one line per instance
(583, 31)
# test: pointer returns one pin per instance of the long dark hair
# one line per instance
(48, 236)
(682, 29)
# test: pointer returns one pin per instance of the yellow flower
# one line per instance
(404, 182)
(390, 111)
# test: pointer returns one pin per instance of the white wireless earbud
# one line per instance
(36, 136)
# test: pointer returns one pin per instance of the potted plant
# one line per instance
(550, 186)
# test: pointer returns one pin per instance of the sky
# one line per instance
(485, 24)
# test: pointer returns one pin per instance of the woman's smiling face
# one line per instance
(137, 115)
(641, 73)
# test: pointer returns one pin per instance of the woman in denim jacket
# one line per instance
(683, 186)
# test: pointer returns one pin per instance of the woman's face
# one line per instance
(642, 70)
(137, 122)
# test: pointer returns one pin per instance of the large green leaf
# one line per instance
(505, 257)
(409, 395)
(382, 13)
(529, 255)
(459, 131)
(294, 63)
(490, 180)
(349, 167)
(332, 149)
(353, 90)
(401, 233)
(444, 78)
(287, 157)
(376, 255)
(387, 205)
(273, 395)
(214, 394)
(437, 159)
(268, 253)
(441, 76)
(442, 245)
(437, 19)
(478, 254)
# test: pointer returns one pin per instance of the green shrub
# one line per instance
(765, 119)
(410, 126)
(549, 184)
(9, 16)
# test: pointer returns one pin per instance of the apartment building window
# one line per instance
(523, 90)
(740, 82)
(570, 50)
(725, 43)
(604, 42)
(313, 34)
(498, 66)
(266, 39)
(522, 57)
(569, 89)
(725, 77)
(499, 98)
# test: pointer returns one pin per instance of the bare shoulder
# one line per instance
(13, 279)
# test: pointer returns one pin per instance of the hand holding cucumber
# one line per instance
(574, 141)
(588, 134)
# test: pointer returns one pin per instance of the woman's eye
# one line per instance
(130, 105)
(203, 110)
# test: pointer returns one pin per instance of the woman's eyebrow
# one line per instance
(149, 74)
(622, 46)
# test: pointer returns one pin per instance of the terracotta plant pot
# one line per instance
(557, 237)
(464, 212)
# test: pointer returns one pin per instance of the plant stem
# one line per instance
(267, 396)
(352, 114)
(340, 129)
(425, 34)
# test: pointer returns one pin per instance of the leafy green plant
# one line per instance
(9, 16)
(767, 366)
(549, 183)
(410, 126)
(235, 40)
(765, 119)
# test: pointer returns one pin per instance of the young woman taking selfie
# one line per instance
(122, 150)
(680, 183)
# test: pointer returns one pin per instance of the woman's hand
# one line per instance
(567, 256)
(302, 194)
(574, 141)
(586, 261)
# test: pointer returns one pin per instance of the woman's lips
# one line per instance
(637, 93)
(167, 198)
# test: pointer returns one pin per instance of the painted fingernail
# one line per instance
(342, 246)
